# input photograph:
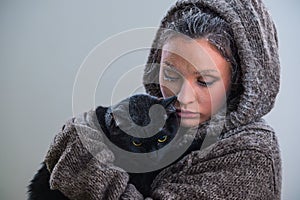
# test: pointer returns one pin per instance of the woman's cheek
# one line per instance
(167, 91)
(169, 88)
(218, 98)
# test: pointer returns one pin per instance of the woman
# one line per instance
(221, 60)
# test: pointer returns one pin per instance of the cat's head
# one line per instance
(136, 126)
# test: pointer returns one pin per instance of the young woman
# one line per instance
(221, 60)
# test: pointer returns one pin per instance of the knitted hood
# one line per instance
(258, 54)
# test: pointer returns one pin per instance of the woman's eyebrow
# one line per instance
(196, 72)
(170, 66)
(206, 72)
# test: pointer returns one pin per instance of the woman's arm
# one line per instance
(246, 165)
(81, 165)
(246, 174)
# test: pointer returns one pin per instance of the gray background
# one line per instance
(42, 45)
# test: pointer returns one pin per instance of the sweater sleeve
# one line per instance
(81, 168)
(246, 174)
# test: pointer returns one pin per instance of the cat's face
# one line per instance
(139, 106)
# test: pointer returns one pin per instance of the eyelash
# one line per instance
(169, 78)
(200, 83)
(205, 84)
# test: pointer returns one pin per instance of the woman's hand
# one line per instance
(81, 165)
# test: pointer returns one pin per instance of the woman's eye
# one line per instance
(162, 139)
(205, 83)
(170, 75)
(136, 143)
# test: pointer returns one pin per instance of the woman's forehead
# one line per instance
(189, 69)
(193, 56)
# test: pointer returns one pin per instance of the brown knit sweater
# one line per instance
(244, 163)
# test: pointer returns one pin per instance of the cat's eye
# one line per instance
(136, 143)
(162, 139)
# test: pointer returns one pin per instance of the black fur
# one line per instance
(39, 189)
(139, 106)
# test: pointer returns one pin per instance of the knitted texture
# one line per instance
(243, 164)
(81, 164)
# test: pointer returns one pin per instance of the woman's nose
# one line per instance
(186, 94)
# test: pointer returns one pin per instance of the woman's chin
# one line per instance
(190, 122)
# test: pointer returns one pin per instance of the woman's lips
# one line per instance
(187, 113)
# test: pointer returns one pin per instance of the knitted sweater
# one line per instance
(244, 163)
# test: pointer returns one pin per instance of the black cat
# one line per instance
(138, 107)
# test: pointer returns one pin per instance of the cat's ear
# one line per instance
(167, 102)
(101, 113)
(110, 121)
(105, 118)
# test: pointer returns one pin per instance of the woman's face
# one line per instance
(197, 73)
